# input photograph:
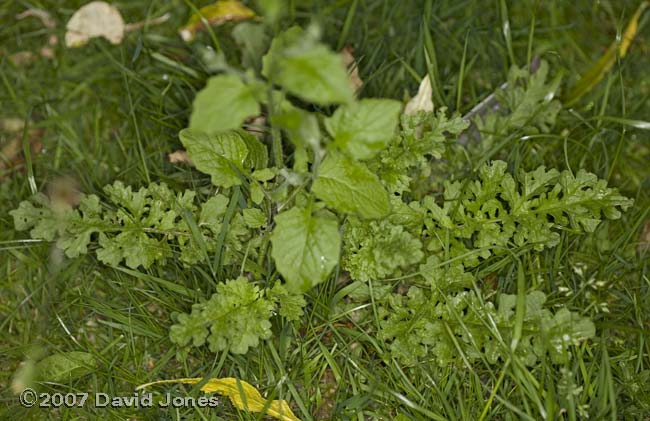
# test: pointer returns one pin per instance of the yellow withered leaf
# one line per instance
(607, 60)
(215, 14)
(243, 395)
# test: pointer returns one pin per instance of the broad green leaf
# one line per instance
(212, 212)
(265, 174)
(224, 104)
(65, 366)
(243, 396)
(257, 193)
(364, 128)
(307, 69)
(254, 218)
(305, 248)
(219, 155)
(258, 155)
(349, 187)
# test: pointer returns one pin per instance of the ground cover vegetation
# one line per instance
(341, 204)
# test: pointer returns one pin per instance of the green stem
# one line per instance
(276, 146)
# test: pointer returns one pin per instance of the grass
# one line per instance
(113, 112)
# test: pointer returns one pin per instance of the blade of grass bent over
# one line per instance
(607, 60)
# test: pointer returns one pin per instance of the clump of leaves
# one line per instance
(236, 317)
(138, 227)
(528, 104)
(433, 324)
(350, 187)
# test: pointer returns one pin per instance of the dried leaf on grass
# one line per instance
(215, 14)
(12, 124)
(41, 14)
(422, 101)
(22, 58)
(95, 19)
(180, 157)
(243, 396)
(347, 55)
(256, 126)
(100, 19)
(46, 51)
(11, 152)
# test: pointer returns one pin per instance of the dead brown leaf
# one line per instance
(12, 124)
(22, 58)
(49, 23)
(255, 126)
(347, 55)
(11, 152)
(100, 19)
(95, 19)
(179, 157)
(47, 52)
(41, 14)
(155, 21)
